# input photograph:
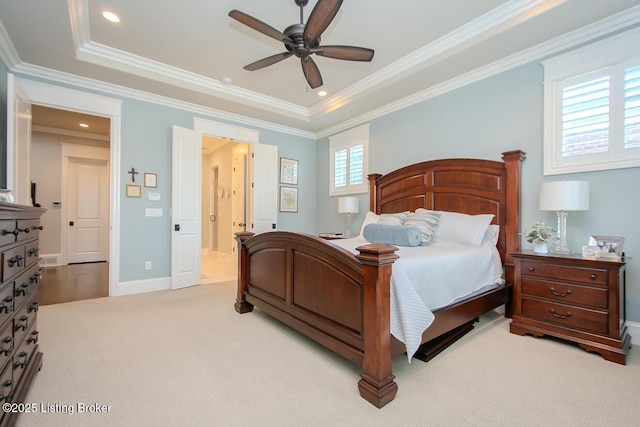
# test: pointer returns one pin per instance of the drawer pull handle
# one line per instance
(14, 232)
(15, 260)
(24, 326)
(592, 277)
(7, 351)
(7, 397)
(560, 316)
(33, 338)
(531, 269)
(25, 230)
(7, 305)
(559, 294)
(37, 228)
(18, 364)
(34, 251)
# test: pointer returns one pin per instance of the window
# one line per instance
(592, 107)
(348, 159)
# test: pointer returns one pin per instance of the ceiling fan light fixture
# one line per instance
(322, 93)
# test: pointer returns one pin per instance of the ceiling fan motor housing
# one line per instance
(300, 47)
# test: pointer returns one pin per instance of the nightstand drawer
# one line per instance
(594, 276)
(566, 293)
(566, 315)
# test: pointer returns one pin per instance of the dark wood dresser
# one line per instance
(20, 358)
(572, 298)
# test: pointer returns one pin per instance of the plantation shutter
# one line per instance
(632, 108)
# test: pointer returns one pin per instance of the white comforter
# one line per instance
(426, 278)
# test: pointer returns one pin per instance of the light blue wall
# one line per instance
(146, 146)
(481, 120)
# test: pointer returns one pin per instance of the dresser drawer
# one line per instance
(594, 276)
(6, 384)
(28, 229)
(26, 285)
(32, 253)
(23, 322)
(12, 262)
(6, 343)
(566, 293)
(8, 232)
(566, 315)
(6, 302)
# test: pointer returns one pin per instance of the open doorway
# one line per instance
(224, 206)
(69, 172)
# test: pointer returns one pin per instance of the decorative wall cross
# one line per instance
(133, 174)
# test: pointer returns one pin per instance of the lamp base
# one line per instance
(562, 247)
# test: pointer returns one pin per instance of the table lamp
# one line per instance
(563, 197)
(348, 205)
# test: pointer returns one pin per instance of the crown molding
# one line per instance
(58, 131)
(83, 83)
(618, 22)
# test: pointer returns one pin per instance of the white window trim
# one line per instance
(344, 140)
(612, 52)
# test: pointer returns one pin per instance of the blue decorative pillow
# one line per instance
(392, 235)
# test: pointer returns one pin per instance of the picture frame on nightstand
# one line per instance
(610, 246)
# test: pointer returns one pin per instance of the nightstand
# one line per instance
(572, 298)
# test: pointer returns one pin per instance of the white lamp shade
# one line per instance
(348, 205)
(564, 196)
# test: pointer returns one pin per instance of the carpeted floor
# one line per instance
(178, 358)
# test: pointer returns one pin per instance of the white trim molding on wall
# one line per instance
(634, 332)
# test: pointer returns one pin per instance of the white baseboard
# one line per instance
(142, 286)
(634, 332)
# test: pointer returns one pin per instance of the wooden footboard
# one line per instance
(339, 300)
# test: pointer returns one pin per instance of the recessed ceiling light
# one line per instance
(227, 81)
(83, 125)
(110, 16)
(322, 93)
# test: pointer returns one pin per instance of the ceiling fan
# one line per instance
(303, 40)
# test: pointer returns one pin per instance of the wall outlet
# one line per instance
(147, 265)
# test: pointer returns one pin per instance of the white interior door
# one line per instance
(186, 217)
(264, 188)
(87, 194)
(18, 141)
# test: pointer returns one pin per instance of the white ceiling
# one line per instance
(183, 50)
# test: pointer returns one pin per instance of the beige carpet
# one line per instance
(178, 358)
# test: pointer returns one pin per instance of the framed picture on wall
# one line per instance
(150, 180)
(288, 171)
(133, 190)
(288, 199)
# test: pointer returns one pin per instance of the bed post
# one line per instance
(377, 383)
(241, 305)
(373, 194)
(513, 165)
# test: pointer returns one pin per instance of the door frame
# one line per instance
(88, 103)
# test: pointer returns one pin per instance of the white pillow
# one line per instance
(491, 236)
(369, 218)
(461, 228)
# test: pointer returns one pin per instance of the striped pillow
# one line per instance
(426, 222)
(393, 219)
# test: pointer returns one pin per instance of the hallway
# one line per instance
(87, 281)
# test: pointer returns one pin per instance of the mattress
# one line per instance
(426, 278)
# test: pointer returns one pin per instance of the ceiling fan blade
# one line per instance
(311, 72)
(265, 62)
(320, 18)
(258, 25)
(348, 53)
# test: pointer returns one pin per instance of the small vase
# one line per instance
(540, 248)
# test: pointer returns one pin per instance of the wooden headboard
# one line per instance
(470, 186)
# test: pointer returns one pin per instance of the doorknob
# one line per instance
(176, 227)
(71, 223)
(212, 218)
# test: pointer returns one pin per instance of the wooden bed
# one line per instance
(342, 300)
